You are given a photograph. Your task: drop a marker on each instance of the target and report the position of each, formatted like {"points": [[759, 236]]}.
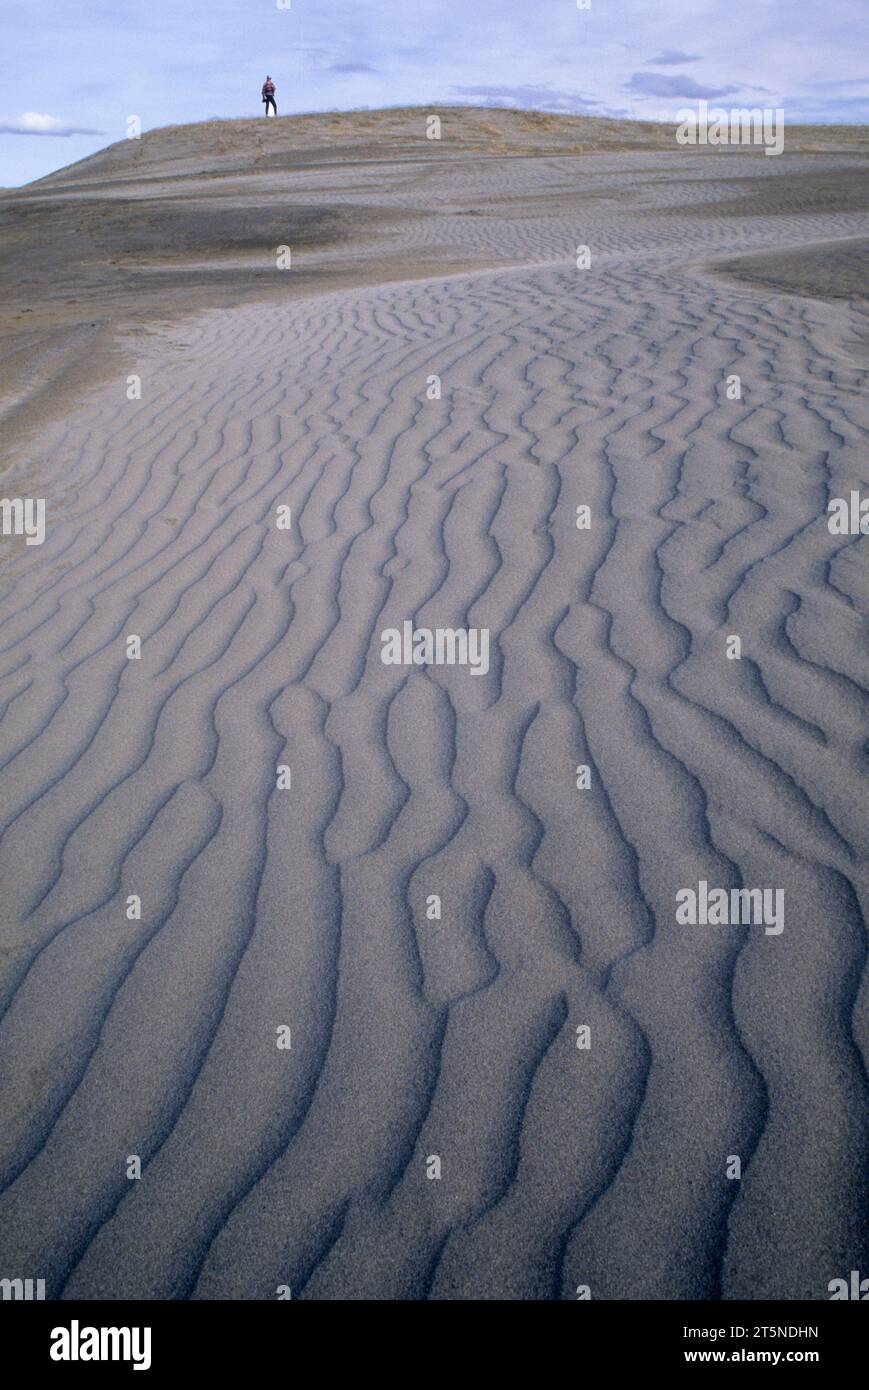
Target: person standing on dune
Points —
{"points": [[269, 96]]}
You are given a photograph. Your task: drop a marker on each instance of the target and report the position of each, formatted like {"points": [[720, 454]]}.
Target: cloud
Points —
{"points": [[35, 123], [662, 84], [539, 97], [330, 60], [840, 82], [826, 111], [320, 59], [671, 58]]}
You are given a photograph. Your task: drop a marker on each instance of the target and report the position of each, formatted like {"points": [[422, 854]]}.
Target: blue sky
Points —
{"points": [[72, 71]]}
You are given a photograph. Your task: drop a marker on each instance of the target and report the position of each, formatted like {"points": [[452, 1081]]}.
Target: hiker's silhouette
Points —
{"points": [[269, 96]]}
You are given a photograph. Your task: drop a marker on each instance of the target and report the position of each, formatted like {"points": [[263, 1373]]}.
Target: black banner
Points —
{"points": [[163, 1339]]}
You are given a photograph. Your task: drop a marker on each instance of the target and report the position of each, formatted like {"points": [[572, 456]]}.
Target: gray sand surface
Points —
{"points": [[417, 1036]]}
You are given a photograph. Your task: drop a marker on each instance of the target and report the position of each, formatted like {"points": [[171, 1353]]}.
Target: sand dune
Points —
{"points": [[415, 1037]]}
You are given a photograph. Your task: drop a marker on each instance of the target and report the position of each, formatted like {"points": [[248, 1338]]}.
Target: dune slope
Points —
{"points": [[416, 1033]]}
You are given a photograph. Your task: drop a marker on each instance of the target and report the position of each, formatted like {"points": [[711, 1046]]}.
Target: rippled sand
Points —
{"points": [[413, 1036]]}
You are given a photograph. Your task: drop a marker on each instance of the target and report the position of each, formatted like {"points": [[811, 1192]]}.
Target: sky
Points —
{"points": [[73, 71]]}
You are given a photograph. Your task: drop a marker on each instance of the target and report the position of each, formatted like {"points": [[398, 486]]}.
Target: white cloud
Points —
{"points": [[671, 58], [35, 123], [661, 84], [531, 97]]}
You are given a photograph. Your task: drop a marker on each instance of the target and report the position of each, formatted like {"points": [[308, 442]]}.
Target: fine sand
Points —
{"points": [[414, 1036]]}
